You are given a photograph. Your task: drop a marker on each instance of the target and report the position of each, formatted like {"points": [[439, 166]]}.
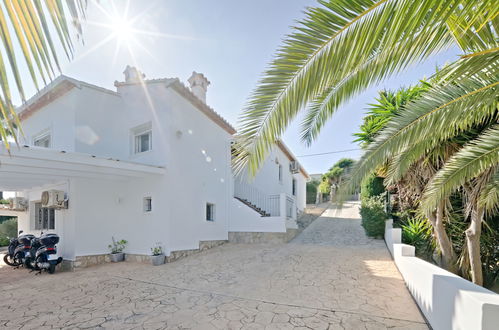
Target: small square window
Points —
{"points": [[44, 217], [42, 141], [142, 138], [147, 204], [210, 212]]}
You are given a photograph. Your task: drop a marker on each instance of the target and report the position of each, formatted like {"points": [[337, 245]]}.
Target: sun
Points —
{"points": [[122, 29]]}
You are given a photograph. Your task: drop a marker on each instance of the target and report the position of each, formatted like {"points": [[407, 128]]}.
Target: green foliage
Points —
{"points": [[157, 250], [388, 104], [311, 189], [344, 163], [372, 186], [8, 229], [373, 215], [418, 232], [325, 187], [117, 246], [4, 201]]}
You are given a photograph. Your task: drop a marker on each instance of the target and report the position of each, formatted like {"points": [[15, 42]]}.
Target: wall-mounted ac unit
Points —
{"points": [[294, 167], [53, 199], [18, 204]]}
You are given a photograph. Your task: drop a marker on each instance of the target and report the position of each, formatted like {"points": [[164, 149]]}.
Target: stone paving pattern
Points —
{"points": [[331, 276]]}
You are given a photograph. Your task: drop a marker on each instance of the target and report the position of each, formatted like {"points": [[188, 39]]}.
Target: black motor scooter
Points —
{"points": [[44, 253], [8, 258], [22, 254]]}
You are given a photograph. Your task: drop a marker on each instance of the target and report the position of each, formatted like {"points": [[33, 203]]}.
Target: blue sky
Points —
{"points": [[231, 42]]}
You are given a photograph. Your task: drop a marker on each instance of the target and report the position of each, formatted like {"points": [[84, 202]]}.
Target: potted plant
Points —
{"points": [[117, 250], [158, 257]]}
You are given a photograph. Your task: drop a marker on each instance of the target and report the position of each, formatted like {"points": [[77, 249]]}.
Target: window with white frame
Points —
{"points": [[293, 188], [147, 204], [142, 138], [280, 173], [42, 140], [210, 212], [44, 217]]}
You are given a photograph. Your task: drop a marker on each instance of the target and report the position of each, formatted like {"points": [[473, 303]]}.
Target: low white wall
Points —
{"points": [[447, 300], [244, 219]]}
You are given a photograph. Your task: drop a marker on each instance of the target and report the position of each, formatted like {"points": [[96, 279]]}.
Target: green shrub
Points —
{"points": [[312, 187], [373, 215], [8, 228], [4, 241], [372, 186], [417, 232]]}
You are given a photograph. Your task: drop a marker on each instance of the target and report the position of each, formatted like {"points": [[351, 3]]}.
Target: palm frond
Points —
{"points": [[489, 197], [333, 43], [25, 26], [447, 109], [472, 160]]}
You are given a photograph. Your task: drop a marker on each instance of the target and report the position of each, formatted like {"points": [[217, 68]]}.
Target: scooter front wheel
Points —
{"points": [[10, 260]]}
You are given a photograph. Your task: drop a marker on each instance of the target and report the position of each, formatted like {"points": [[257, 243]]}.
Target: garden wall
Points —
{"points": [[446, 300]]}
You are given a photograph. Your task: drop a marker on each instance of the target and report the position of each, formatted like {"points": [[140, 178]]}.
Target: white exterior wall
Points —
{"points": [[194, 150], [245, 219], [64, 220], [58, 119], [301, 191]]}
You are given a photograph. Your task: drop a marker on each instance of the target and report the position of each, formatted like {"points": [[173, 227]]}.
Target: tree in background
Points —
{"points": [[338, 173], [8, 229], [32, 24], [413, 169]]}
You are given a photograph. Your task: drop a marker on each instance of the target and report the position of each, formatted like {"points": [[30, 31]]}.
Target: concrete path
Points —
{"points": [[330, 277]]}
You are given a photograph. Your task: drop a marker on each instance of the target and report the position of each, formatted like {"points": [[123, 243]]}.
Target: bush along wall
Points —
{"points": [[373, 215], [372, 186]]}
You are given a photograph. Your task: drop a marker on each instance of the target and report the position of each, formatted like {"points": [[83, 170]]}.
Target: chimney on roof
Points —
{"points": [[133, 75], [199, 85]]}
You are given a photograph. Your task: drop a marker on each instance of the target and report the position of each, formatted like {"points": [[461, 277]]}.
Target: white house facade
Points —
{"points": [[149, 163]]}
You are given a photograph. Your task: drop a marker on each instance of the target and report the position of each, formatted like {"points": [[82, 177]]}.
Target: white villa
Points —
{"points": [[149, 162]]}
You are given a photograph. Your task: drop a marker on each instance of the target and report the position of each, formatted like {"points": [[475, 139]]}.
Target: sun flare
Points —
{"points": [[122, 29]]}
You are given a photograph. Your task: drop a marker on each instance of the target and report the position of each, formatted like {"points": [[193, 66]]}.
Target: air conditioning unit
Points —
{"points": [[294, 167], [18, 204], [53, 199]]}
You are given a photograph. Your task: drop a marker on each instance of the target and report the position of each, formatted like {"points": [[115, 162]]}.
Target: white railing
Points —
{"points": [[251, 194]]}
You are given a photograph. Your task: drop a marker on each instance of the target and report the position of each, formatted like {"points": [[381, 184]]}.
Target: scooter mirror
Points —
{"points": [[20, 232]]}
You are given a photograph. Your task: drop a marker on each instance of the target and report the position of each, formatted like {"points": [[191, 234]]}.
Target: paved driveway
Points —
{"points": [[330, 276]]}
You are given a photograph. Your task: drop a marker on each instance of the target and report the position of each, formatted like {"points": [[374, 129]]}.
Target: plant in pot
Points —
{"points": [[117, 250], [158, 257]]}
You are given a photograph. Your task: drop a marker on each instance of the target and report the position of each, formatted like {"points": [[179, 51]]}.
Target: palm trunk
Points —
{"points": [[473, 239], [444, 243]]}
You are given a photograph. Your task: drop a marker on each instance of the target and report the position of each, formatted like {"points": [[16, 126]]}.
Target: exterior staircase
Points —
{"points": [[263, 213]]}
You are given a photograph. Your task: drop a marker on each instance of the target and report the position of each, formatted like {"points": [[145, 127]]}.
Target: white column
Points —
{"points": [[282, 205]]}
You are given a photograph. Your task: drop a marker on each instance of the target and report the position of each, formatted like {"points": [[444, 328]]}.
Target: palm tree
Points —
{"points": [[33, 22], [343, 47]]}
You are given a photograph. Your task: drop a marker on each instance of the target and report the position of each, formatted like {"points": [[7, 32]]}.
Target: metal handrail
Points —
{"points": [[266, 203]]}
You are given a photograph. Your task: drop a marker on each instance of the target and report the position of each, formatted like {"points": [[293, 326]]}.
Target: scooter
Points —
{"points": [[9, 257], [43, 253], [22, 254]]}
